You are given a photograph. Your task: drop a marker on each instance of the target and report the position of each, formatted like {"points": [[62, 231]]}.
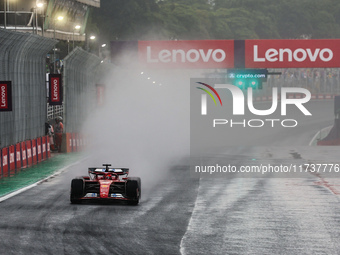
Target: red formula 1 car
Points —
{"points": [[106, 184]]}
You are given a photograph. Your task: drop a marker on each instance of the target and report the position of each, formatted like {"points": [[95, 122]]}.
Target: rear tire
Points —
{"points": [[77, 191], [133, 190]]}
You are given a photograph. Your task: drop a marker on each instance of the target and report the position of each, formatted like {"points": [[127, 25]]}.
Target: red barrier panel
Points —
{"points": [[39, 149], [34, 151], [43, 147], [78, 145], [48, 147], [11, 153], [74, 143], [66, 145], [29, 153], [4, 162], [17, 156], [23, 154]]}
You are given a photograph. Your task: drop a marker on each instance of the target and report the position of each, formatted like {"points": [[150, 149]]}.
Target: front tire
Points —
{"points": [[133, 190], [77, 191]]}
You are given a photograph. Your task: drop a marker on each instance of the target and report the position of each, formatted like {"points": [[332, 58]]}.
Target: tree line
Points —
{"points": [[216, 19]]}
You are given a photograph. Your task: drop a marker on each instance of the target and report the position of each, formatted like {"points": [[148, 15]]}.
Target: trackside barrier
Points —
{"points": [[39, 156], [328, 143], [77, 138], [48, 147], [29, 153], [4, 162], [81, 141], [74, 142], [11, 154], [23, 154], [43, 148], [18, 157], [34, 151], [66, 145]]}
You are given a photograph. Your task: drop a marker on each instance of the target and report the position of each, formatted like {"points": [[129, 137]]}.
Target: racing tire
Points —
{"points": [[133, 190], [77, 191]]}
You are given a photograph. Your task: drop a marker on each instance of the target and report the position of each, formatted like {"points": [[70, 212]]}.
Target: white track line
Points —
{"points": [[316, 135], [14, 193]]}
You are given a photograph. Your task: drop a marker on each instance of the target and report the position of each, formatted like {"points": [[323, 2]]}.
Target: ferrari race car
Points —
{"points": [[106, 184]]}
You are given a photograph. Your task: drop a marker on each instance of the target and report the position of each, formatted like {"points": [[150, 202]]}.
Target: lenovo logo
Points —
{"points": [[55, 89], [3, 94], [55, 86], [192, 55], [298, 55], [187, 54], [292, 53]]}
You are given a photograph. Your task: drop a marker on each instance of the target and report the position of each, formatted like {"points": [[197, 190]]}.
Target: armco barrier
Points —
{"points": [[39, 149], [18, 158], [11, 155], [4, 156], [29, 153], [23, 154], [34, 151]]}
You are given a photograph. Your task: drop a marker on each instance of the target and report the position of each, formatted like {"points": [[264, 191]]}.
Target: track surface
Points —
{"points": [[182, 215]]}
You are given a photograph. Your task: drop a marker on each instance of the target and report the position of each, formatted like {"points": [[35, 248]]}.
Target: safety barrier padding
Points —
{"points": [[39, 156], [34, 151], [23, 154], [18, 158], [29, 153], [11, 156], [4, 157]]}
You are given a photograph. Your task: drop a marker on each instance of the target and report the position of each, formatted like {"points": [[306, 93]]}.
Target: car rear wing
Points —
{"points": [[99, 170]]}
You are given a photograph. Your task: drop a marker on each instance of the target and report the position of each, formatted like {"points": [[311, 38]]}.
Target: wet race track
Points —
{"points": [[184, 215]]}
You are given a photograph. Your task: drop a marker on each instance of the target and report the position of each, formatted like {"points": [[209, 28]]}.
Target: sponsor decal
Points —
{"points": [[187, 54], [4, 160], [292, 53], [5, 96], [55, 89]]}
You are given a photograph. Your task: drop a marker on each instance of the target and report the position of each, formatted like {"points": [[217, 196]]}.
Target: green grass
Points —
{"points": [[30, 175]]}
